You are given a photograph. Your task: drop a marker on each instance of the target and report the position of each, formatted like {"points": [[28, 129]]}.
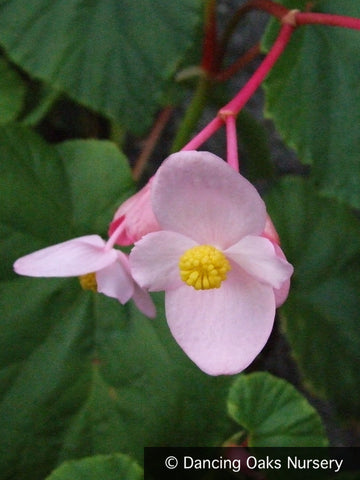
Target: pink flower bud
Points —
{"points": [[135, 216]]}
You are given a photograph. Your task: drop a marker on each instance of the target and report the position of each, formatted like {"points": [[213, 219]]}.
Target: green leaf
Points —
{"points": [[53, 194], [321, 316], [313, 96], [80, 374], [253, 135], [12, 92], [274, 413], [39, 101], [99, 178], [30, 174], [104, 467], [115, 57]]}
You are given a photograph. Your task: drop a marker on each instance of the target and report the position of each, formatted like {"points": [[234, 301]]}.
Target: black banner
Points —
{"points": [[229, 463]]}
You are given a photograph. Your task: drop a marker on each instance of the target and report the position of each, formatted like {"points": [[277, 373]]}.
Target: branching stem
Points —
{"points": [[151, 141], [237, 103], [306, 18]]}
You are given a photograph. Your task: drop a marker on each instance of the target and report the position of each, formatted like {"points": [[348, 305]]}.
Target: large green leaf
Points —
{"points": [[252, 134], [92, 161], [104, 467], [47, 199], [114, 56], [321, 316], [274, 413], [81, 374], [12, 92], [313, 95]]}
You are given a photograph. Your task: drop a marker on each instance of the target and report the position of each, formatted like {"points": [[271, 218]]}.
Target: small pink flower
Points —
{"points": [[85, 255], [135, 216], [219, 273]]}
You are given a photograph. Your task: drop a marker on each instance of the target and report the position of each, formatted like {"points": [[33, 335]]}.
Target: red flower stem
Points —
{"points": [[278, 11], [306, 18], [205, 134], [151, 141], [275, 9], [113, 237], [231, 142], [240, 63], [210, 37], [237, 103]]}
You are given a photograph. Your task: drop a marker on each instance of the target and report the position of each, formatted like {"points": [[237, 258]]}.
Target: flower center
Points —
{"points": [[88, 282], [203, 267]]}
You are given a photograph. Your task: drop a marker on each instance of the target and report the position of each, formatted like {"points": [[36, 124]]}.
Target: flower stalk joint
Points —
{"points": [[290, 18]]}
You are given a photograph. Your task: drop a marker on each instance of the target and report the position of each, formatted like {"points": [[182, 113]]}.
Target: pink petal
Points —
{"points": [[136, 218], [143, 301], [222, 330], [124, 236], [154, 260], [270, 231], [115, 281], [199, 195], [78, 256], [257, 256], [281, 293]]}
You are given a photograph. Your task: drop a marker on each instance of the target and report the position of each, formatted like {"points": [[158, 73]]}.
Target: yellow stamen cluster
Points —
{"points": [[203, 267], [88, 282]]}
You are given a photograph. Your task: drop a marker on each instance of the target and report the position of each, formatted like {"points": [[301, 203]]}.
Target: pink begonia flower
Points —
{"points": [[218, 272], [84, 256], [135, 216]]}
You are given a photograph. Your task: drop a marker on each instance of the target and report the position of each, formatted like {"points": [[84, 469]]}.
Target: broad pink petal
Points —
{"points": [[143, 301], [115, 281], [257, 256], [222, 330], [78, 256], [136, 217], [154, 260], [199, 195]]}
